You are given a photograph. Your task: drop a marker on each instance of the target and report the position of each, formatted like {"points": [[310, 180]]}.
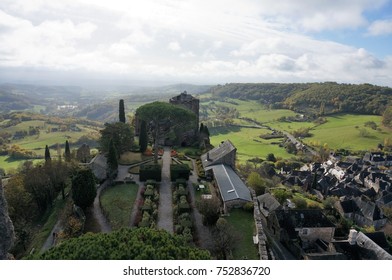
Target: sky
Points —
{"points": [[197, 41]]}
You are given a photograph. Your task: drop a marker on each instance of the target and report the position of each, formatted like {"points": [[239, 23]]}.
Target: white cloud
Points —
{"points": [[247, 40], [174, 46], [380, 27]]}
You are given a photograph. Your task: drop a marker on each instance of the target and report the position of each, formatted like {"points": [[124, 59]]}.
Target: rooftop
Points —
{"points": [[230, 184]]}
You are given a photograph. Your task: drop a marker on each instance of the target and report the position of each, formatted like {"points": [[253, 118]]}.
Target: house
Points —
{"points": [[225, 153], [99, 167], [362, 211], [234, 193], [360, 246], [308, 234], [219, 163], [385, 200], [307, 225], [267, 203]]}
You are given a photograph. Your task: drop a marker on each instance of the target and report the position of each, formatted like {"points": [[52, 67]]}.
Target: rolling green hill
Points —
{"points": [[314, 98]]}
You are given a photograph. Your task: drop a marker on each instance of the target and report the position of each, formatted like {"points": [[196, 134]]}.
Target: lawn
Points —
{"points": [[248, 142], [244, 224], [344, 132], [132, 158], [117, 204], [11, 165]]}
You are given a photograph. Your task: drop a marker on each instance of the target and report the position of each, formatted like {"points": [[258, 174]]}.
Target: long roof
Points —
{"points": [[230, 184]]}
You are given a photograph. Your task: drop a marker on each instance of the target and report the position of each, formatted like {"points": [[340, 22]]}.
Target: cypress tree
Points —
{"points": [[83, 188], [201, 130], [47, 154], [121, 111], [112, 157], [143, 138], [67, 152]]}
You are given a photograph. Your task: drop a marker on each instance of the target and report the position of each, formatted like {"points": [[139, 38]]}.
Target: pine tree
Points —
{"points": [[67, 152], [201, 130], [121, 111], [143, 137], [112, 158], [47, 154]]}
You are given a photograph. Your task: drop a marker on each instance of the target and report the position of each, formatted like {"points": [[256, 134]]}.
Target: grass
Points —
{"points": [[131, 158], [343, 132], [11, 165], [117, 203], [244, 224], [248, 143]]}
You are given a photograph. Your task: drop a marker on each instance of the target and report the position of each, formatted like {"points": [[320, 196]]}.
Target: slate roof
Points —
{"points": [[268, 203], [217, 153], [310, 218], [230, 184], [368, 209]]}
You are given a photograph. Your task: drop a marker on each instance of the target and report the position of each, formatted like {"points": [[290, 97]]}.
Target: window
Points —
{"points": [[305, 231]]}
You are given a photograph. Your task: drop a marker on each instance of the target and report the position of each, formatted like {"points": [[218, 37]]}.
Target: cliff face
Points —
{"points": [[6, 227]]}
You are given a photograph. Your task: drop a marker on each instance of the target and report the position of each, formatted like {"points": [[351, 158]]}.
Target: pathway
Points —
{"points": [[165, 213], [97, 211], [204, 234]]}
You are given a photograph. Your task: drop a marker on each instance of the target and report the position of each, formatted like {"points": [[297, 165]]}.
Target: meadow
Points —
{"points": [[341, 131], [349, 132], [248, 143]]}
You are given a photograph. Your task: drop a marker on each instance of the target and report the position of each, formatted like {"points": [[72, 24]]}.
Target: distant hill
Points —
{"points": [[324, 98]]}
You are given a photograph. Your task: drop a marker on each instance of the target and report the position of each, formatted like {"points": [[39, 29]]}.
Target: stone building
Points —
{"points": [[189, 102]]}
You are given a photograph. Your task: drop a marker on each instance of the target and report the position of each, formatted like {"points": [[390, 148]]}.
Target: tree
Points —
{"points": [[67, 152], [121, 111], [83, 188], [209, 208], [120, 133], [47, 154], [271, 157], [112, 158], [225, 238], [256, 182], [126, 244], [37, 183], [387, 117], [164, 118], [143, 136]]}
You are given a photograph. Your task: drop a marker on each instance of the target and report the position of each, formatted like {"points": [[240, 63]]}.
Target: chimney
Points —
{"points": [[208, 156]]}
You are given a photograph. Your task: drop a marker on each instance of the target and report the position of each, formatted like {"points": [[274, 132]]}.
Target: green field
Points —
{"points": [[344, 131], [117, 203], [11, 165], [248, 143]]}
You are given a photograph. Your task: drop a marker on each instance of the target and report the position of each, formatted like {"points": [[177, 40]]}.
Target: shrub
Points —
{"points": [[150, 172], [179, 171]]}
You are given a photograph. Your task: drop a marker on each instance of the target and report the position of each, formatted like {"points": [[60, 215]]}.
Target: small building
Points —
{"points": [[234, 193], [267, 203], [99, 167], [225, 153]]}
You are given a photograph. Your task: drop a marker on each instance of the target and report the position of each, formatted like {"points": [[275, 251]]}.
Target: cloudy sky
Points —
{"points": [[197, 41]]}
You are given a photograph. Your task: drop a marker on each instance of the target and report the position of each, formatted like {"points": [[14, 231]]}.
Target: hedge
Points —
{"points": [[150, 172], [179, 171]]}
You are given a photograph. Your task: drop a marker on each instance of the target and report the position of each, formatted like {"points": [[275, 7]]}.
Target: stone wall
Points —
{"points": [[261, 237]]}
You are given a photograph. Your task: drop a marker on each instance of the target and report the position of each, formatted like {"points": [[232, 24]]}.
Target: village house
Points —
{"points": [[308, 234], [219, 163]]}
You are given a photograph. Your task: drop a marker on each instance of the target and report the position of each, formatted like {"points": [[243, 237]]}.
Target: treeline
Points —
{"points": [[315, 98]]}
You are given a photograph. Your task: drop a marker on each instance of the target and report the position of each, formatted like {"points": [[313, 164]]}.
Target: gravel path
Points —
{"points": [[204, 234], [165, 214]]}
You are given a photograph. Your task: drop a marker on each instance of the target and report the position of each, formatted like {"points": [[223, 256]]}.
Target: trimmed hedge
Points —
{"points": [[150, 172], [179, 171]]}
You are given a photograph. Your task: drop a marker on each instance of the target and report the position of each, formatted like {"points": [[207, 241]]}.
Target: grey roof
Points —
{"points": [[268, 203], [230, 184], [217, 153]]}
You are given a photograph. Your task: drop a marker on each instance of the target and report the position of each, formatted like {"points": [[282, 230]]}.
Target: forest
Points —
{"points": [[313, 98]]}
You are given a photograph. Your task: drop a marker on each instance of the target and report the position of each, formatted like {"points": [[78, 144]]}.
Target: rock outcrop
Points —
{"points": [[6, 227]]}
